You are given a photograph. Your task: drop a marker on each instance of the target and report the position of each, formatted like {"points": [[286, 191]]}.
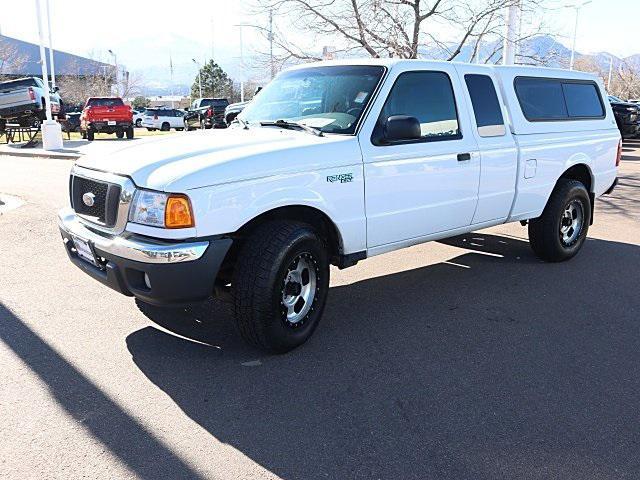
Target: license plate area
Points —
{"points": [[111, 122], [84, 251]]}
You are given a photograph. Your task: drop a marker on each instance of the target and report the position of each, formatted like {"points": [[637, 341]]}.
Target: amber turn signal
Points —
{"points": [[178, 212]]}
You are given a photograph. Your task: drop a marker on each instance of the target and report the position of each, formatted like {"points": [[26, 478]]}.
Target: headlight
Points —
{"points": [[164, 210]]}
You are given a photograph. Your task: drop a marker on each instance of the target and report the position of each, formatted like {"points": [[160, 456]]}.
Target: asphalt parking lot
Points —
{"points": [[462, 359]]}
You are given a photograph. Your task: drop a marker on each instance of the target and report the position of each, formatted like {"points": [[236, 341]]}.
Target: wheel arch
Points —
{"points": [[312, 216], [582, 173]]}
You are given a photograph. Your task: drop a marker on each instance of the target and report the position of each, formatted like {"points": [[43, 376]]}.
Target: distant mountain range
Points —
{"points": [[158, 79]]}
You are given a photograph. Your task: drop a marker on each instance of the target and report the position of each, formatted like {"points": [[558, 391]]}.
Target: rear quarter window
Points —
{"points": [[554, 99]]}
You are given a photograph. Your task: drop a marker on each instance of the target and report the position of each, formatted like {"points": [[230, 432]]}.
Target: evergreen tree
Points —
{"points": [[215, 82]]}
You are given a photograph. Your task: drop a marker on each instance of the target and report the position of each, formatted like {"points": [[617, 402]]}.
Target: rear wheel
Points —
{"points": [[119, 133], [129, 133], [165, 127], [90, 135], [280, 286], [559, 233], [151, 129], [139, 122]]}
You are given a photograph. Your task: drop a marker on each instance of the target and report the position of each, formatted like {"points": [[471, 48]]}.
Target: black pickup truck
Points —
{"points": [[627, 116], [206, 113]]}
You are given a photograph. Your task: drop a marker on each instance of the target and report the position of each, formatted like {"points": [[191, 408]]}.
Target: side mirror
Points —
{"points": [[402, 127]]}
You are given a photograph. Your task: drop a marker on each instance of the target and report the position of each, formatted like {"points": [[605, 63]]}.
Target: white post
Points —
{"points": [[242, 67], [51, 130], [199, 75], [509, 48], [51, 64], [273, 71], [573, 44], [575, 32], [610, 73]]}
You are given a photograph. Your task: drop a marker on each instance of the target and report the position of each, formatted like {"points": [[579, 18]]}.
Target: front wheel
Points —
{"points": [[559, 233], [280, 286]]}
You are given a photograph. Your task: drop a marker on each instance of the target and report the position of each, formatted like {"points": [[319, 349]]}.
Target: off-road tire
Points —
{"points": [[258, 285], [545, 235]]}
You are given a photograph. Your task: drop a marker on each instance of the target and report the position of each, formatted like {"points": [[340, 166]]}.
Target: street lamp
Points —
{"points": [[577, 7], [241, 62], [51, 130], [115, 61], [199, 75]]}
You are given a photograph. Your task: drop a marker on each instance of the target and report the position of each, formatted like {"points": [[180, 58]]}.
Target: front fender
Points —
{"points": [[226, 208]]}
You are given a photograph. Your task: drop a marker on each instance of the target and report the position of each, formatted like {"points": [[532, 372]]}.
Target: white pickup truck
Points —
{"points": [[23, 101], [335, 162]]}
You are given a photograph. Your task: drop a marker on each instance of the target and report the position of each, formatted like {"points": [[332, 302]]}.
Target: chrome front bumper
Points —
{"points": [[131, 247]]}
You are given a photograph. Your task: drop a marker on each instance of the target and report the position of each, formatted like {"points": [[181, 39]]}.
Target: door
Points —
{"points": [[420, 187], [499, 154]]}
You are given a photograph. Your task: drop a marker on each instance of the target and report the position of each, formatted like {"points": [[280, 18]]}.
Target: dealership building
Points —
{"points": [[22, 59]]}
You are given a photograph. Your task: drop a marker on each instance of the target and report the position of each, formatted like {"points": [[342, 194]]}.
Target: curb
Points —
{"points": [[53, 155]]}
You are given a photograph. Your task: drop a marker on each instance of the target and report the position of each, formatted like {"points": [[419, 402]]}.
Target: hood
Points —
{"points": [[182, 162]]}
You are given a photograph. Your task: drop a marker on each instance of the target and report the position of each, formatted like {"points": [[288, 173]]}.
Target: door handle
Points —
{"points": [[463, 157]]}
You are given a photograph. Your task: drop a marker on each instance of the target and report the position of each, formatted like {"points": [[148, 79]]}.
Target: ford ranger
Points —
{"points": [[106, 115], [335, 162]]}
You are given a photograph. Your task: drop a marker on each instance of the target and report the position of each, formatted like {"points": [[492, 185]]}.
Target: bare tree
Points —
{"points": [[10, 59], [401, 28]]}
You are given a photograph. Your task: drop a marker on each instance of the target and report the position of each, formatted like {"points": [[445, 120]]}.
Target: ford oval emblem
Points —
{"points": [[89, 199]]}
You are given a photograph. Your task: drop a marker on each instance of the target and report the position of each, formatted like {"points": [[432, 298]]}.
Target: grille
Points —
{"points": [[105, 206]]}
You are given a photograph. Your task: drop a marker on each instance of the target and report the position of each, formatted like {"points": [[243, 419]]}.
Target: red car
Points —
{"points": [[106, 115]]}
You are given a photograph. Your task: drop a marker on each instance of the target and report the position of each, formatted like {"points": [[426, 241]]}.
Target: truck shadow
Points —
{"points": [[492, 364]]}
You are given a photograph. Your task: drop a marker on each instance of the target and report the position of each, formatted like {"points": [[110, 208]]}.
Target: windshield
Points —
{"points": [[330, 99], [214, 102], [104, 102], [615, 99]]}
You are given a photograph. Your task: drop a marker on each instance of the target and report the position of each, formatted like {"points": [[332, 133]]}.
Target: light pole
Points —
{"points": [[577, 7], [199, 75], [511, 24], [241, 63], [51, 130], [115, 61], [610, 73], [51, 65]]}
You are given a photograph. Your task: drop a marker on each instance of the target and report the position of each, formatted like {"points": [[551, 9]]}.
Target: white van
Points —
{"points": [[335, 162]]}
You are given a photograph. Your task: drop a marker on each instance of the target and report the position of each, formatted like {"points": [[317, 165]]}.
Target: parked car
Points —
{"points": [[627, 117], [106, 115], [163, 119], [72, 122], [259, 217], [138, 115], [234, 109], [206, 113], [23, 101]]}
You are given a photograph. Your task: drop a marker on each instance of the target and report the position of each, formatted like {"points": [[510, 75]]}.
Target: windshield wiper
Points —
{"points": [[285, 124], [244, 123]]}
